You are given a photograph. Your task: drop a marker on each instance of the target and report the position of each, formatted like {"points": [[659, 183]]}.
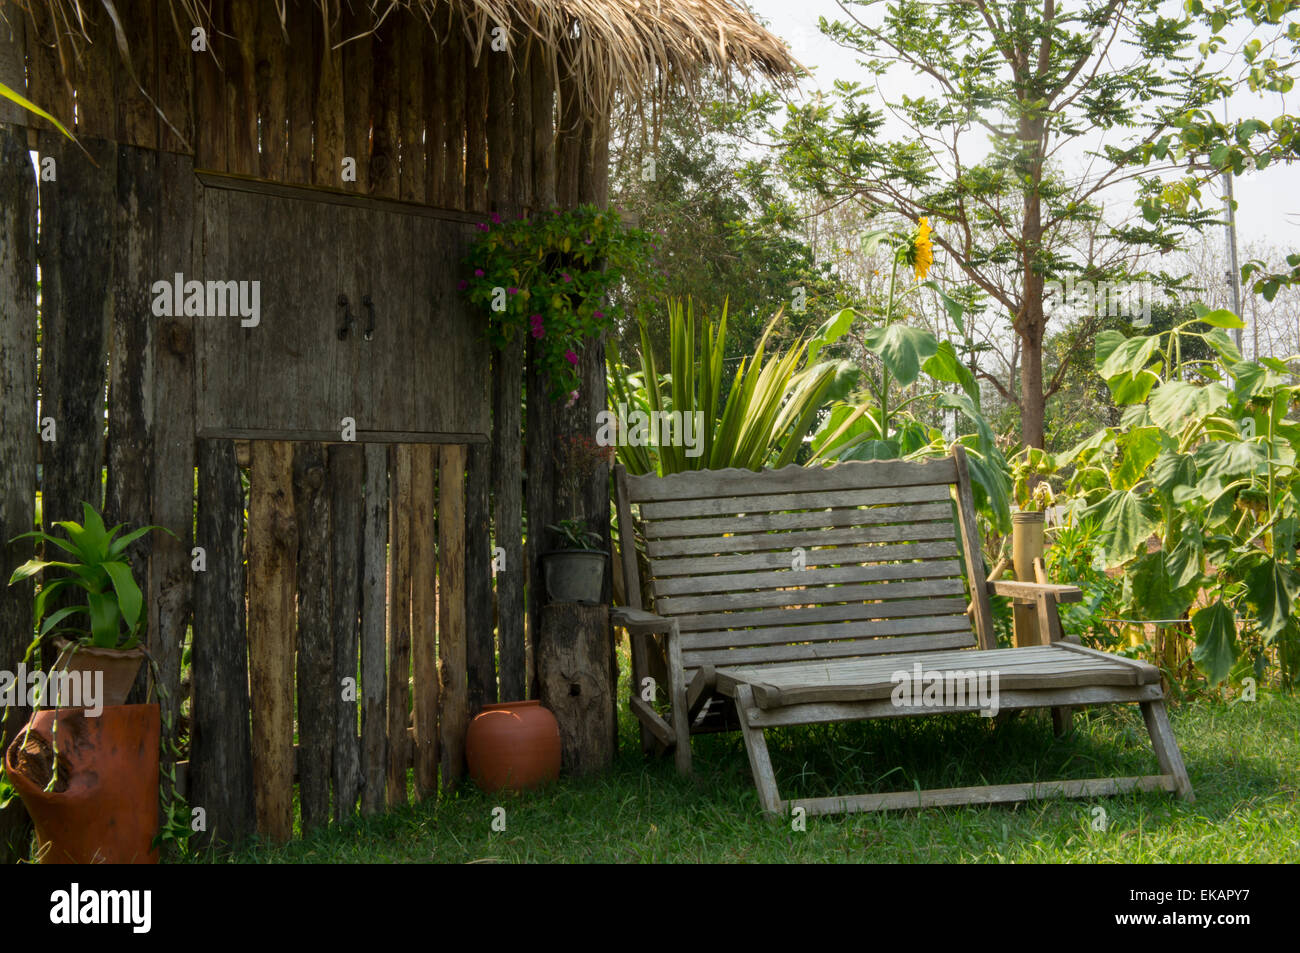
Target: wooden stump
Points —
{"points": [[574, 669]]}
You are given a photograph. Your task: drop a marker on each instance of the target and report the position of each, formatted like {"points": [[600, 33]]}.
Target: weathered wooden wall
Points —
{"points": [[349, 647]]}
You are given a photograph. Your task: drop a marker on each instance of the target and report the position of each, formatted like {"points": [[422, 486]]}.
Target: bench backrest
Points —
{"points": [[862, 558]]}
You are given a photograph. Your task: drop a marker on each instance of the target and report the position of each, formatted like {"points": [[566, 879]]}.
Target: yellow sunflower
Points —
{"points": [[922, 250]]}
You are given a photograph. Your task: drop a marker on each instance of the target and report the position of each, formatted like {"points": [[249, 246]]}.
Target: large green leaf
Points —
{"points": [[1224, 460], [1132, 388], [944, 365], [1117, 355], [1138, 447], [1220, 318], [1126, 520], [1172, 470], [129, 599], [1269, 587], [1216, 640], [1251, 378], [1149, 588], [1174, 401], [903, 349], [835, 327]]}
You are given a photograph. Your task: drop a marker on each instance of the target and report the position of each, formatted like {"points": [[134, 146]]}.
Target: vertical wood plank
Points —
{"points": [[272, 586], [316, 688], [344, 474], [476, 101], [507, 491], [456, 120], [46, 86], [240, 63], [221, 767], [424, 616], [211, 132], [453, 718], [437, 84], [136, 118], [399, 623], [480, 655], [175, 83], [357, 77], [96, 80], [500, 130], [17, 435], [271, 81], [415, 42], [385, 106], [76, 269], [171, 578], [328, 159], [542, 92], [304, 32], [374, 679]]}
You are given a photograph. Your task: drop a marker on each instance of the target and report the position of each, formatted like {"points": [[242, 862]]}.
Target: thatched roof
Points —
{"points": [[621, 46]]}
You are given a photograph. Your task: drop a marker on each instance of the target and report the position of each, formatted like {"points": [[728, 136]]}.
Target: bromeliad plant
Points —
{"points": [[1203, 462], [98, 567], [552, 277]]}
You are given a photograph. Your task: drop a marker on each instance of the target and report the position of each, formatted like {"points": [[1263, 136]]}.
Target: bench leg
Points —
{"points": [[756, 747], [1166, 747], [680, 716]]}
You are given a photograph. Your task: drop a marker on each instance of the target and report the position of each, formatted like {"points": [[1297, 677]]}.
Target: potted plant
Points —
{"points": [[575, 572], [112, 610]]}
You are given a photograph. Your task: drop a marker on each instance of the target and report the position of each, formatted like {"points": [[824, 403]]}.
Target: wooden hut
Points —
{"points": [[247, 304]]}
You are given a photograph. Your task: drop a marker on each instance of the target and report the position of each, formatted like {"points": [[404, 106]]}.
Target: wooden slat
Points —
{"points": [[345, 476], [455, 54], [719, 621], [374, 678], [825, 650], [328, 137], [808, 673], [773, 523], [541, 62], [994, 794], [171, 578], [781, 559], [399, 621], [721, 602], [480, 643], [1149, 674], [317, 694], [652, 720], [221, 767], [77, 221], [854, 475], [973, 552], [763, 542], [866, 629], [454, 714], [128, 484], [137, 121], [305, 31], [46, 86], [385, 110], [476, 99], [819, 713], [211, 135], [272, 585], [239, 61], [272, 84], [810, 582], [507, 488], [17, 434], [357, 77], [424, 617], [175, 81], [95, 78], [892, 504], [412, 40]]}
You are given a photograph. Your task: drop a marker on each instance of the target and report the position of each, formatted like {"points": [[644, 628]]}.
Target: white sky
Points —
{"points": [[1268, 201]]}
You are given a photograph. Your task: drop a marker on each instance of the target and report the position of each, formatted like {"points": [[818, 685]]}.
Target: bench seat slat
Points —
{"points": [[767, 541], [722, 601], [743, 525], [881, 499], [811, 581], [827, 650], [897, 609], [865, 629], [781, 558], [852, 475]]}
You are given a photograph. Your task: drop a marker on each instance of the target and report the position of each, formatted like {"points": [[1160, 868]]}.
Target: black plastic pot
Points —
{"points": [[574, 575]]}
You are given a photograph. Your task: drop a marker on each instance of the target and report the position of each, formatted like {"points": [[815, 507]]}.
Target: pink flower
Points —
{"points": [[536, 322], [484, 227], [512, 291], [496, 219], [599, 315], [573, 399], [462, 284], [571, 357], [565, 276], [478, 272]]}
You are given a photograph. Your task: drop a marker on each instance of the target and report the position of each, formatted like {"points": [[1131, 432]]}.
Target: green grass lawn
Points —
{"points": [[1244, 762]]}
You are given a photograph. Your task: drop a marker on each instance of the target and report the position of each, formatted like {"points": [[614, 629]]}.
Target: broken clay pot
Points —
{"points": [[103, 805]]}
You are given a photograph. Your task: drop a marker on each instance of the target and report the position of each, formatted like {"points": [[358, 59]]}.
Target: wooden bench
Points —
{"points": [[806, 596]]}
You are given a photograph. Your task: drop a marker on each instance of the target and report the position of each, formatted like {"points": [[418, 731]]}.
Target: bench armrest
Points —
{"points": [[640, 622], [1028, 592]]}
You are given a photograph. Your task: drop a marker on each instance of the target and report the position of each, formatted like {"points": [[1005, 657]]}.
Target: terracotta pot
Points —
{"points": [[514, 745], [104, 807], [120, 667]]}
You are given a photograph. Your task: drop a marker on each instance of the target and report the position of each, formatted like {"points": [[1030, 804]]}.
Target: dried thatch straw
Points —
{"points": [[610, 47]]}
